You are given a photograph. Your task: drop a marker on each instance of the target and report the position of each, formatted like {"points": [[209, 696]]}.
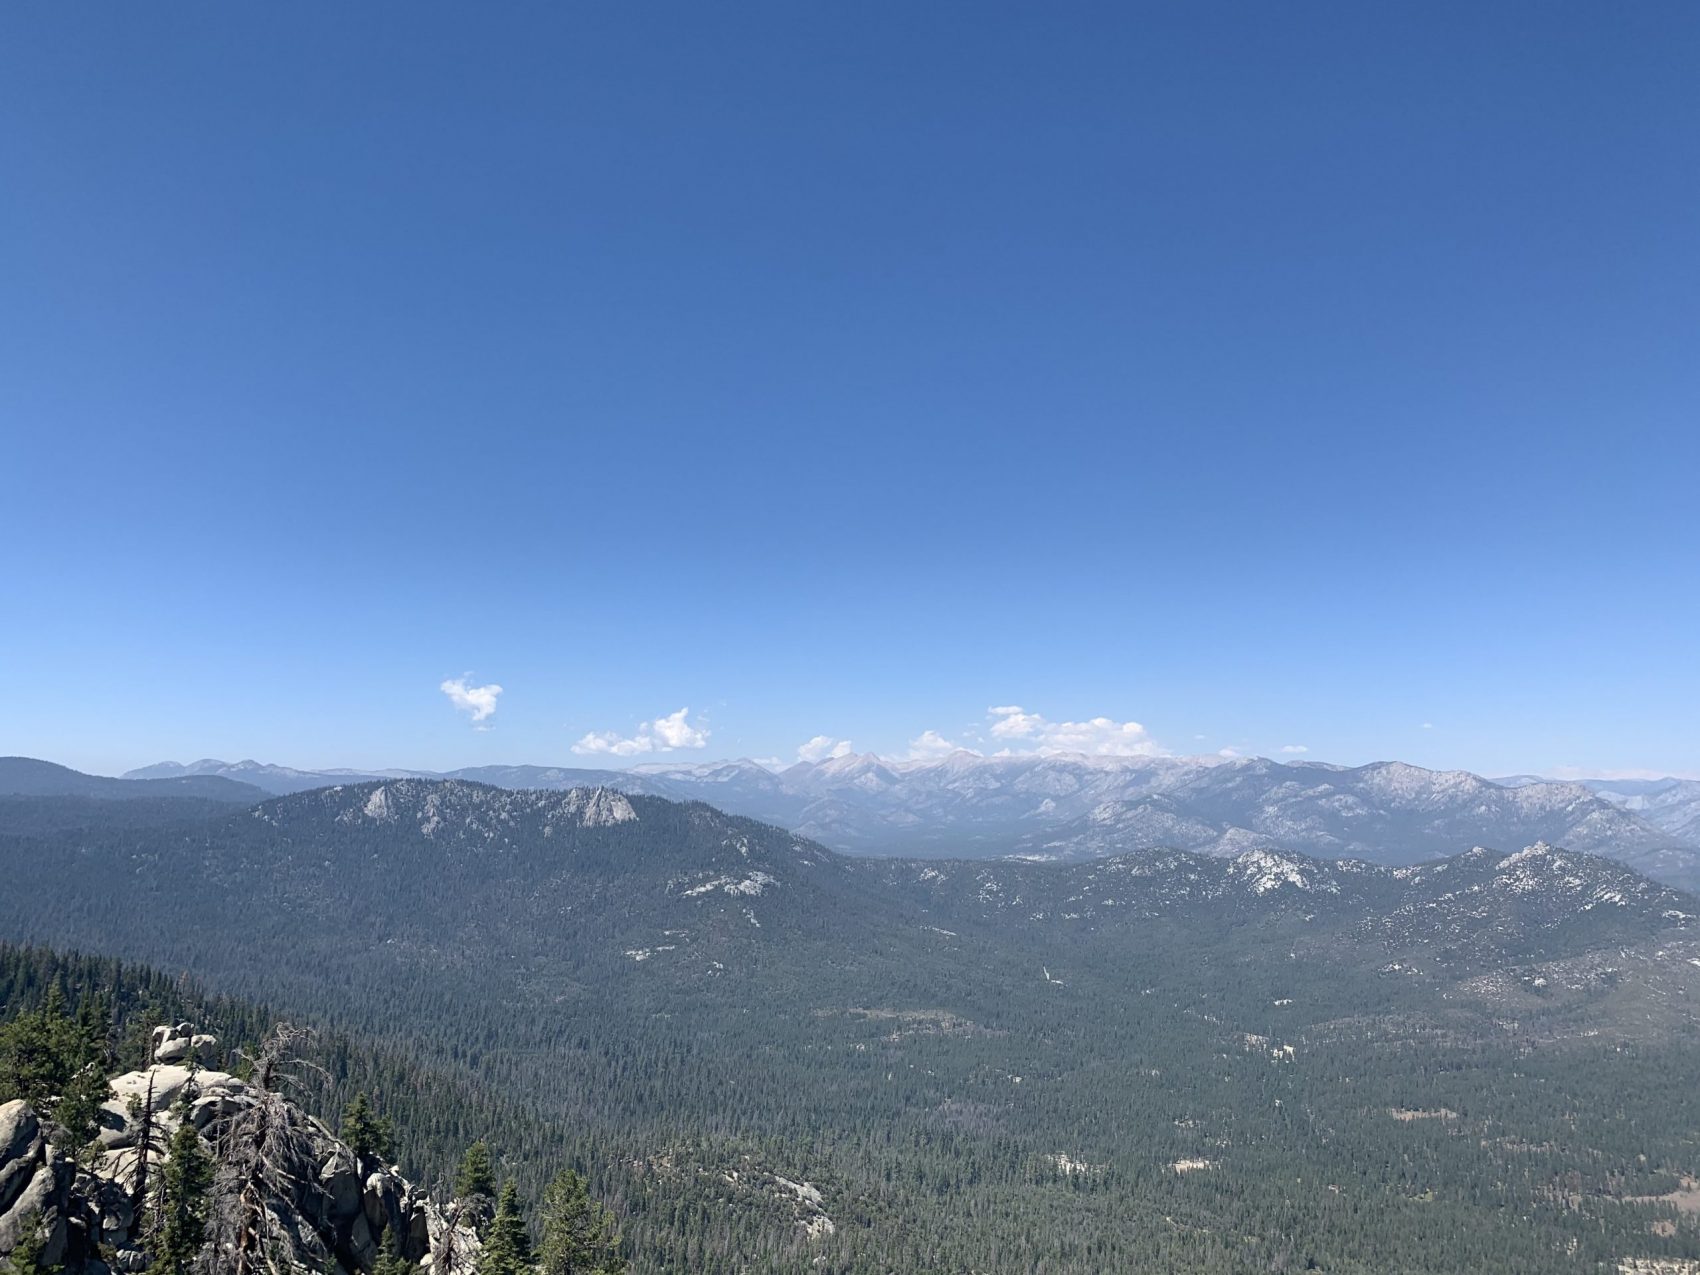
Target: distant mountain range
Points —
{"points": [[1671, 805], [1072, 808]]}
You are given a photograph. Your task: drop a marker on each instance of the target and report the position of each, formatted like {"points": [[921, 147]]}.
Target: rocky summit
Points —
{"points": [[325, 1207]]}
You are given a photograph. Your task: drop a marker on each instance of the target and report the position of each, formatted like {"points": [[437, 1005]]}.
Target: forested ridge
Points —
{"points": [[766, 1057]]}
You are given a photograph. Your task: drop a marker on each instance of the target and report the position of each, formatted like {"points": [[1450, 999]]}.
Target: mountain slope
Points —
{"points": [[1669, 804], [280, 781], [28, 777], [1386, 812]]}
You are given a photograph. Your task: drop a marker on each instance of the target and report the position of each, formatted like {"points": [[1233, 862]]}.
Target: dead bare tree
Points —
{"points": [[450, 1251], [264, 1154], [148, 1143]]}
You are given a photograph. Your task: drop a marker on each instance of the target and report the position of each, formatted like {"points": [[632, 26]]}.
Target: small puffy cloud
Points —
{"points": [[662, 735], [929, 744], [675, 732], [1428, 725], [1097, 736], [823, 747], [1228, 752], [614, 744], [477, 702], [1294, 748], [1011, 721]]}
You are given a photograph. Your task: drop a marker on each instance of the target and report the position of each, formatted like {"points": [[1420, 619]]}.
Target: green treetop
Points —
{"points": [[475, 1177], [579, 1236], [184, 1182], [366, 1133], [507, 1245]]}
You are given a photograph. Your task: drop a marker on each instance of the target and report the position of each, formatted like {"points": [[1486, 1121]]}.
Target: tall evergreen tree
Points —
{"points": [[392, 1261], [56, 1062], [475, 1177], [184, 1182], [366, 1133], [579, 1235], [507, 1245]]}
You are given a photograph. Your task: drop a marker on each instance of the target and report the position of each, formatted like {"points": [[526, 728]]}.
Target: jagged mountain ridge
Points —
{"points": [[1669, 804], [1386, 812], [589, 882], [1531, 902], [1072, 807]]}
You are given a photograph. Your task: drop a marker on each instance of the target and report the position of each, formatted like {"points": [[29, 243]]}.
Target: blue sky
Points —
{"points": [[1267, 375]]}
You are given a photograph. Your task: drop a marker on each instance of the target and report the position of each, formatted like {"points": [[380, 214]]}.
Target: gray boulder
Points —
{"points": [[362, 1246], [34, 1182], [341, 1185], [20, 1150], [182, 1044], [40, 1191], [19, 1129], [381, 1201]]}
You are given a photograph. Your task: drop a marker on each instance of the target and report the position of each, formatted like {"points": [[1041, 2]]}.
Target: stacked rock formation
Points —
{"points": [[340, 1211]]}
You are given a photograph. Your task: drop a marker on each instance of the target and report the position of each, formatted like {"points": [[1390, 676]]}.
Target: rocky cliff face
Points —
{"points": [[329, 1209], [34, 1180]]}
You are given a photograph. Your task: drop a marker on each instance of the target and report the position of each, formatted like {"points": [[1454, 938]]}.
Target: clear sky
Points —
{"points": [[1316, 375]]}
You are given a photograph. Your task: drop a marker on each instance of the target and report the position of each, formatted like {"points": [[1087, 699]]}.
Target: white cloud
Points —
{"points": [[1428, 725], [1294, 748], [1011, 721], [662, 735], [675, 732], [1097, 736], [929, 744], [478, 702], [822, 747], [616, 745], [1227, 752]]}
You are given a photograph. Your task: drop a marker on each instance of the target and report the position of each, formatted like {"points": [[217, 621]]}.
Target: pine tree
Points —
{"points": [[366, 1133], [184, 1182], [391, 1261], [579, 1235], [475, 1177], [26, 1254], [57, 1063], [507, 1245]]}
